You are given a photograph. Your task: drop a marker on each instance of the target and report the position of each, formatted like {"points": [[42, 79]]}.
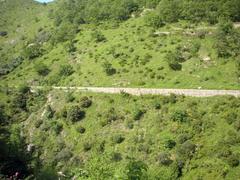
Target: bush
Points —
{"points": [[187, 149], [136, 170], [138, 114], [230, 116], [70, 47], [33, 50], [165, 159], [3, 116], [70, 97], [87, 146], [108, 69], [24, 89], [227, 43], [64, 155], [116, 157], [75, 113], [182, 138], [180, 116], [64, 32], [85, 102], [174, 59], [38, 123], [49, 112], [81, 129], [57, 127], [97, 36], [66, 70], [3, 33], [157, 105], [41, 69], [117, 139], [233, 160], [154, 20], [175, 66], [170, 144], [237, 125]]}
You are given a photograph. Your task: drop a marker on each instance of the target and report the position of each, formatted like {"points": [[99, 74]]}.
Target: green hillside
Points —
{"points": [[180, 44]]}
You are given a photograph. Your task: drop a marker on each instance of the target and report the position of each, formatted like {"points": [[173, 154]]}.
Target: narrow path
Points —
{"points": [[146, 91]]}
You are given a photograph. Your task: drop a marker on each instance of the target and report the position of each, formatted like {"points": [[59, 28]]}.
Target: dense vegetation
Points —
{"points": [[101, 136], [132, 43]]}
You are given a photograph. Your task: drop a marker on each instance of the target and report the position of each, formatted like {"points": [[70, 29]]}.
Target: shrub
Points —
{"points": [[70, 97], [108, 69], [3, 33], [63, 155], [38, 123], [237, 125], [170, 144], [97, 36], [138, 114], [227, 43], [165, 159], [66, 70], [85, 102], [20, 101], [70, 47], [64, 32], [81, 129], [182, 138], [187, 149], [233, 160], [87, 146], [116, 156], [57, 127], [230, 116], [117, 139], [23, 89], [49, 112], [136, 170], [154, 20], [157, 105], [41, 69], [33, 50], [180, 116], [75, 113]]}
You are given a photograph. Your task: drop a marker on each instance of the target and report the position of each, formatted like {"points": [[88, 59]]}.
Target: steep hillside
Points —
{"points": [[49, 133], [21, 21]]}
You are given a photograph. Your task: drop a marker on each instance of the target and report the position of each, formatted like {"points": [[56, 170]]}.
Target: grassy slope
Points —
{"points": [[22, 20], [145, 141], [88, 59]]}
